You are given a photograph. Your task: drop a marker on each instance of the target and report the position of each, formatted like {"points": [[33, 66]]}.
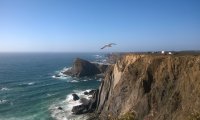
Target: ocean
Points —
{"points": [[30, 90]]}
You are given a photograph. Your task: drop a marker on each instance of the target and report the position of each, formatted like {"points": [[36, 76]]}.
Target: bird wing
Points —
{"points": [[108, 45], [113, 44], [104, 47]]}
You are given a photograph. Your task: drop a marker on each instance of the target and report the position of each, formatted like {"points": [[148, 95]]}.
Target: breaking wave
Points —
{"points": [[4, 89], [61, 110]]}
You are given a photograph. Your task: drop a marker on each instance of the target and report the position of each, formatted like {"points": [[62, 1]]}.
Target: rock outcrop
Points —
{"points": [[82, 68], [88, 105], [75, 97], [151, 87]]}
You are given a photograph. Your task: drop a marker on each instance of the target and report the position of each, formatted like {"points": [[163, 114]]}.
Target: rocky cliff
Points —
{"points": [[82, 68], [151, 87]]}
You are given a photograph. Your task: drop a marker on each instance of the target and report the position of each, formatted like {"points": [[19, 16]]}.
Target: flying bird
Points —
{"points": [[108, 45]]}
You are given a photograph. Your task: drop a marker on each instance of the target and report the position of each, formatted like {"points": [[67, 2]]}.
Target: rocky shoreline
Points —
{"points": [[146, 87], [83, 68], [88, 105]]}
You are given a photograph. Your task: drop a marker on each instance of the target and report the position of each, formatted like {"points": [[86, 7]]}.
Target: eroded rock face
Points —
{"points": [[88, 105], [83, 68], [75, 97], [80, 109], [91, 92], [153, 87]]}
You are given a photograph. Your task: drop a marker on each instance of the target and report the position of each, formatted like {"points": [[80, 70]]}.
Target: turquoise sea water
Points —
{"points": [[29, 90]]}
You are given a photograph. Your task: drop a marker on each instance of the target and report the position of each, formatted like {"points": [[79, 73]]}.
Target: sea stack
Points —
{"points": [[82, 68]]}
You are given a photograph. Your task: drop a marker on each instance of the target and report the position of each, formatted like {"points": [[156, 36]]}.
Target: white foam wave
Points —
{"points": [[60, 74], [49, 95], [100, 59], [29, 117], [62, 110], [74, 81], [98, 56], [53, 76], [64, 113], [27, 83], [62, 77], [100, 79], [66, 78], [5, 89], [31, 83], [3, 101], [81, 94], [65, 69]]}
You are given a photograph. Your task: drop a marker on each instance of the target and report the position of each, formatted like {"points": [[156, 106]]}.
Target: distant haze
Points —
{"points": [[86, 25]]}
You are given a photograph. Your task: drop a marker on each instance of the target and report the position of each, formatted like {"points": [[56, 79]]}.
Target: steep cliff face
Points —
{"points": [[151, 87]]}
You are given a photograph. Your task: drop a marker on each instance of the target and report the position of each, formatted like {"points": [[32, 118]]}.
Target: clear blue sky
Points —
{"points": [[86, 25]]}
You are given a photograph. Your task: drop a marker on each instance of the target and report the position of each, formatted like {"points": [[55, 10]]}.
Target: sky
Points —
{"points": [[86, 25]]}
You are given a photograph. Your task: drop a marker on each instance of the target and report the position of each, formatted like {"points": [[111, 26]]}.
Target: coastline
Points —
{"points": [[28, 88], [63, 109], [116, 97]]}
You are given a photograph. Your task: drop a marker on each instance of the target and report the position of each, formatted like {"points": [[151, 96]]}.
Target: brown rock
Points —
{"points": [[155, 87], [83, 68]]}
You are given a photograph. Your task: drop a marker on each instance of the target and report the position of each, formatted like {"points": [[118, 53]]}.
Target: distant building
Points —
{"points": [[170, 53], [162, 52]]}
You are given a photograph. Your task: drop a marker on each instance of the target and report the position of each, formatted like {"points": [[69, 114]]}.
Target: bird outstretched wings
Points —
{"points": [[108, 45]]}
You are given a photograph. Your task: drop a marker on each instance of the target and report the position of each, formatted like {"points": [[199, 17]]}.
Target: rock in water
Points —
{"points": [[83, 108], [84, 101], [75, 97], [80, 109], [91, 92], [87, 105], [60, 108], [83, 68], [86, 93]]}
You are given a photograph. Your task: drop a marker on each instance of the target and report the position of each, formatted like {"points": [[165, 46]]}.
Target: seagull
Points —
{"points": [[108, 45]]}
